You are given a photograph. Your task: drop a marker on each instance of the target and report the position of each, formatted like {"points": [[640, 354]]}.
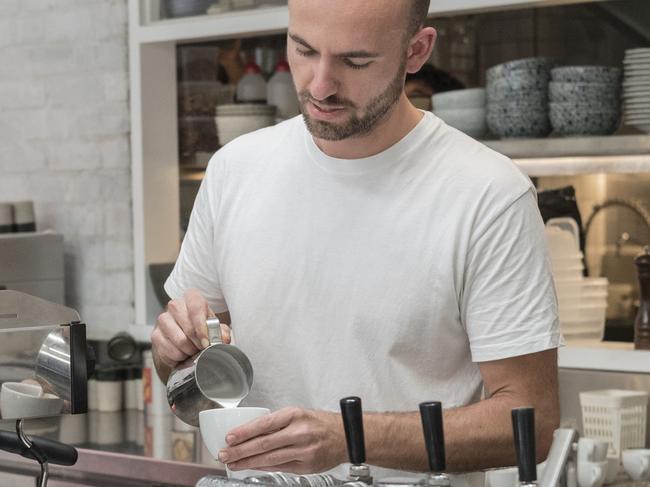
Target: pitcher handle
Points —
{"points": [[214, 331]]}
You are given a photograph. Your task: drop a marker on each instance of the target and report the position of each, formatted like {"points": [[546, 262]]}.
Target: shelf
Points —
{"points": [[579, 155], [262, 21], [604, 356], [273, 20]]}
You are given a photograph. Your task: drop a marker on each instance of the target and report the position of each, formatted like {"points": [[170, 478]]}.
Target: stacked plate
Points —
{"points": [[636, 88], [518, 98], [582, 301], [462, 109], [585, 100], [237, 119]]}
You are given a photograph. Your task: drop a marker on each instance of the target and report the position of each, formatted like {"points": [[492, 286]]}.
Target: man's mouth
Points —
{"points": [[326, 108]]}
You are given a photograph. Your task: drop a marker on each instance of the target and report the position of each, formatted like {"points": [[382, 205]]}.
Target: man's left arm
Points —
{"points": [[477, 436]]}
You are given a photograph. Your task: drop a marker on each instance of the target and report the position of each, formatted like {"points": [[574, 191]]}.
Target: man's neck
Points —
{"points": [[399, 122]]}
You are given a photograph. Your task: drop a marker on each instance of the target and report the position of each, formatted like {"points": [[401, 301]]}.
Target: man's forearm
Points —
{"points": [[477, 436]]}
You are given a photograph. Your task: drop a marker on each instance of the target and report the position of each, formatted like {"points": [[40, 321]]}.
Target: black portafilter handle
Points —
{"points": [[353, 425], [523, 427], [55, 452], [434, 437]]}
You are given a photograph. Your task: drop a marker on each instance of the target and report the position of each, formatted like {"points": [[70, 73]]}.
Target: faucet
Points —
{"points": [[633, 205]]}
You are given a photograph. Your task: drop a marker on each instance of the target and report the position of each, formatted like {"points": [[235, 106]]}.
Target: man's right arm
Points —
{"points": [[181, 331]]}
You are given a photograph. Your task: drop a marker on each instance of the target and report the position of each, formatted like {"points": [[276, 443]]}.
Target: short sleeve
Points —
{"points": [[196, 266], [508, 304]]}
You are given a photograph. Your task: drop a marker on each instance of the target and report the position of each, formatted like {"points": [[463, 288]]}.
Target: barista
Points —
{"points": [[366, 248]]}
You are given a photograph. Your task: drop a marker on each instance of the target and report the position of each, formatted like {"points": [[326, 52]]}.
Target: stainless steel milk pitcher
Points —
{"points": [[219, 376]]}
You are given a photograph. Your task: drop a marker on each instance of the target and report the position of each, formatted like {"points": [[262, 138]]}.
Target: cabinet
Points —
{"points": [[154, 135]]}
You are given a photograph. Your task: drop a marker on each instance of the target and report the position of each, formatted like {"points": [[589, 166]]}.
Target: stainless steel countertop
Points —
{"points": [[127, 446]]}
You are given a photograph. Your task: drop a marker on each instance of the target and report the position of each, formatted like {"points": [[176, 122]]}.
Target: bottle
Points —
{"points": [[281, 92], [252, 86], [642, 321]]}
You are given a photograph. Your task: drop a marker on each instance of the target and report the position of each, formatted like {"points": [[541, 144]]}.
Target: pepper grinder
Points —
{"points": [[523, 427], [642, 321], [353, 425], [434, 440]]}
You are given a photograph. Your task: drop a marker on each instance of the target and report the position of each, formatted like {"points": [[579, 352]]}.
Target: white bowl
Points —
{"points": [[469, 120], [231, 127], [20, 400], [636, 462], [470, 98]]}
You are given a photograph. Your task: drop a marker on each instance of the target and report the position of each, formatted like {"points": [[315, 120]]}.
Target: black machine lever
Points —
{"points": [[523, 427], [55, 452], [353, 425], [434, 437]]}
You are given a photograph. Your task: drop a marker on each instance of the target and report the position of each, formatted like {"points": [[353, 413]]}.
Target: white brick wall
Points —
{"points": [[64, 126]]}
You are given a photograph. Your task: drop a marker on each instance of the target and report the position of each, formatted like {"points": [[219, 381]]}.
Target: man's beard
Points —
{"points": [[375, 111]]}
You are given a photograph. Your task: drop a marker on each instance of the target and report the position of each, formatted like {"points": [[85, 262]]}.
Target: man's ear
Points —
{"points": [[419, 49]]}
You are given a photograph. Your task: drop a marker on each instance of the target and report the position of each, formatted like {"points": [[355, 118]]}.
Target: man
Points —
{"points": [[368, 249]]}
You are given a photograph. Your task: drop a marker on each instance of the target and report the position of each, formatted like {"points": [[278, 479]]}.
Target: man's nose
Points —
{"points": [[324, 83]]}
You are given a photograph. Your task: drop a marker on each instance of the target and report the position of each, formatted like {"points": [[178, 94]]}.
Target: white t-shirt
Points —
{"points": [[387, 277]]}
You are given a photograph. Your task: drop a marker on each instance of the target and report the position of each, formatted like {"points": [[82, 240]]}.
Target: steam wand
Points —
{"points": [[36, 453]]}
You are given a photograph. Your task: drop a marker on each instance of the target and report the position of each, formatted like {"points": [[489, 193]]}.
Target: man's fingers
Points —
{"points": [[257, 446], [167, 352], [198, 312], [261, 426], [225, 333], [178, 309], [170, 330]]}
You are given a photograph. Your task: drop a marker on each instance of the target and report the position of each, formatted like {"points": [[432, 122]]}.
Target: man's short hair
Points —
{"points": [[417, 15]]}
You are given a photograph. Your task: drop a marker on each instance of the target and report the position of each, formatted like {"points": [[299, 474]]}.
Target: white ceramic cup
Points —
{"points": [[216, 423], [636, 462], [21, 400], [591, 474], [590, 450]]}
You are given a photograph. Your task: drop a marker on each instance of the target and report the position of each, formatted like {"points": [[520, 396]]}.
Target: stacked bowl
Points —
{"points": [[585, 100], [462, 109], [636, 88], [517, 93], [582, 301], [234, 120]]}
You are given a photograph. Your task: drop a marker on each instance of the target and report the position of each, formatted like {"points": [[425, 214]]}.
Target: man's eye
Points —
{"points": [[305, 53], [352, 65]]}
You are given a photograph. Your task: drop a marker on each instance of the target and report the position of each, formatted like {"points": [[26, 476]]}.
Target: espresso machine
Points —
{"points": [[44, 367], [431, 413]]}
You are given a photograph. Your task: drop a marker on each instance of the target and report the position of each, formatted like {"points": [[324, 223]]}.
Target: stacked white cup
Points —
{"points": [[582, 301]]}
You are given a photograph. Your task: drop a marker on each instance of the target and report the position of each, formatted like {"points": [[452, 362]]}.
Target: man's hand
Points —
{"points": [[289, 440], [181, 331]]}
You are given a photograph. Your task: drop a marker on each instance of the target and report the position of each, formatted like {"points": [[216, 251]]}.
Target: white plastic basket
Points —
{"points": [[615, 415]]}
